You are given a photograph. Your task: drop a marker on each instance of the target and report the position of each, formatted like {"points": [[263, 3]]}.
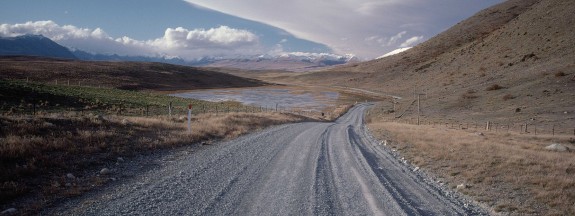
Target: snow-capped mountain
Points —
{"points": [[296, 61], [38, 45]]}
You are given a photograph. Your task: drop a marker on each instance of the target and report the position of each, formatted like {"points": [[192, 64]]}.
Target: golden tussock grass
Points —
{"points": [[509, 172], [37, 152]]}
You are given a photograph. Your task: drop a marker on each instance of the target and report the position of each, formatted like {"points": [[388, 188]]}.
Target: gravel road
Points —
{"points": [[297, 169]]}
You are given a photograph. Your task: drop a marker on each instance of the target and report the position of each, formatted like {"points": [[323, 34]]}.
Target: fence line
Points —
{"points": [[148, 110], [495, 126]]}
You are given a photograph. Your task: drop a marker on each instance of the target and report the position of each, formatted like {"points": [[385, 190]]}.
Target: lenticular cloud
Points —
{"points": [[367, 28], [188, 44]]}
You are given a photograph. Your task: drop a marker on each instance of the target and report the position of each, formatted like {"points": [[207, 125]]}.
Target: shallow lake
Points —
{"points": [[268, 97]]}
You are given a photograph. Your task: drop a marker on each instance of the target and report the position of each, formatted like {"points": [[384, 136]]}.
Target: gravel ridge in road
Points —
{"points": [[296, 169]]}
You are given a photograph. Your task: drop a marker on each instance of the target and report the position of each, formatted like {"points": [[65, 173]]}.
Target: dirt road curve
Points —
{"points": [[297, 169]]}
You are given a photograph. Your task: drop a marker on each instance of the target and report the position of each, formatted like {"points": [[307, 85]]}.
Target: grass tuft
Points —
{"points": [[494, 87]]}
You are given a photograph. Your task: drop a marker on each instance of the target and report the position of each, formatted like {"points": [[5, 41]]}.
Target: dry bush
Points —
{"points": [[494, 87], [470, 94], [508, 97], [509, 172], [560, 74]]}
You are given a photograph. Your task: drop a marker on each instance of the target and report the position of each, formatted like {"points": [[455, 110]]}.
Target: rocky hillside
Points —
{"points": [[512, 62]]}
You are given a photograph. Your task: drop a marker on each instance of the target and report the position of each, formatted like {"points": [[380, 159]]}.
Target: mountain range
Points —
{"points": [[38, 45], [33, 45]]}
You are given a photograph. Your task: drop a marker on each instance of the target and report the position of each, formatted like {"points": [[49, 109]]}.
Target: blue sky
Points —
{"points": [[196, 28]]}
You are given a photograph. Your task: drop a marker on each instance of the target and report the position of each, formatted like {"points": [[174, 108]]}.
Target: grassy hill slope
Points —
{"points": [[122, 75], [518, 55]]}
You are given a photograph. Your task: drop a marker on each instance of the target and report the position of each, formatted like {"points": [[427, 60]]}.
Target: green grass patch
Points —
{"points": [[19, 97]]}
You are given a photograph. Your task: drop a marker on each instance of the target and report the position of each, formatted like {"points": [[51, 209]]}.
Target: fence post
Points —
{"points": [[190, 118], [170, 109], [487, 126], [553, 130]]}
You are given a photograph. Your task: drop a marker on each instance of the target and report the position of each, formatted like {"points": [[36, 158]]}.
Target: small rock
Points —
{"points": [[99, 117], [479, 134], [415, 169], [557, 147], [120, 159], [105, 171], [70, 176], [48, 124], [461, 186], [125, 122], [56, 184], [113, 179], [9, 211]]}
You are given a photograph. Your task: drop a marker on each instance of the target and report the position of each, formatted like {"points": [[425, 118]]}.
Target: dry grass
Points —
{"points": [[509, 172], [36, 153]]}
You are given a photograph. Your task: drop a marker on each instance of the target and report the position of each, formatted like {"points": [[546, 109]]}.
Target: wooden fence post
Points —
{"points": [[170, 109], [190, 118]]}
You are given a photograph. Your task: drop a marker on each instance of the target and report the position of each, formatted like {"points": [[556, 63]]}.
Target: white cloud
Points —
{"points": [[188, 44], [357, 21], [222, 37]]}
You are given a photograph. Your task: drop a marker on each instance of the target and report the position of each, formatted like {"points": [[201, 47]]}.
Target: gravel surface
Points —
{"points": [[297, 169]]}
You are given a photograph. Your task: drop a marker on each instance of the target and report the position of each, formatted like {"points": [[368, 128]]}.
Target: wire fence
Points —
{"points": [[40, 108], [534, 128]]}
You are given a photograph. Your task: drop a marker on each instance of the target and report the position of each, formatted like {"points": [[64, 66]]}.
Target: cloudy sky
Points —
{"points": [[195, 28]]}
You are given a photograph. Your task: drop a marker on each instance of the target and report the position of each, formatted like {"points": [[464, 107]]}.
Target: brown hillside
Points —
{"points": [[122, 75], [518, 54]]}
